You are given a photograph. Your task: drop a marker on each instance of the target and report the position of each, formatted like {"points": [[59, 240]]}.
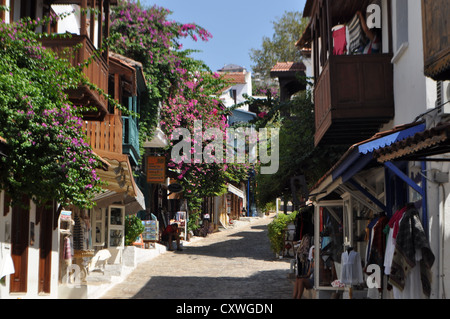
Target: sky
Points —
{"points": [[236, 26]]}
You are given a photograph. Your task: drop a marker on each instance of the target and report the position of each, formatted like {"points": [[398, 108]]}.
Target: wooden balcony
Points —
{"points": [[105, 137], [353, 97], [96, 71], [436, 35]]}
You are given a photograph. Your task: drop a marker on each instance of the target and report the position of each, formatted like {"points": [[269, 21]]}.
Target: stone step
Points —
{"points": [[98, 279], [113, 269]]}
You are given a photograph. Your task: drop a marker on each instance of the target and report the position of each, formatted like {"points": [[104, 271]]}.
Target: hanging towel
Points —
{"points": [[340, 41], [356, 37]]}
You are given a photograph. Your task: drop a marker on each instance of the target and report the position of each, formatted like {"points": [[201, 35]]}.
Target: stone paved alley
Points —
{"points": [[232, 264]]}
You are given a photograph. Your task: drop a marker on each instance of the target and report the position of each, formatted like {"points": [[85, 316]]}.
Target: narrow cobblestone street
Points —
{"points": [[231, 264]]}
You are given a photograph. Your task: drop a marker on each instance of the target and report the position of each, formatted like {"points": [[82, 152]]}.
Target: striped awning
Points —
{"points": [[419, 147]]}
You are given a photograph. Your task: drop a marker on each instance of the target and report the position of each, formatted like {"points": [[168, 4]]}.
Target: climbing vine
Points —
{"points": [[48, 157], [185, 89]]}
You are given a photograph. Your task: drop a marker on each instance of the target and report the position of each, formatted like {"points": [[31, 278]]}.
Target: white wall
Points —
{"points": [[240, 90], [409, 80], [414, 95], [71, 23]]}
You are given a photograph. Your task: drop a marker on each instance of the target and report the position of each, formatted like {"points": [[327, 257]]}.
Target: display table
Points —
{"points": [[78, 258]]}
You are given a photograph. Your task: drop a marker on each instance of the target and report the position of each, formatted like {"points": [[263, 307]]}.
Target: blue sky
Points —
{"points": [[236, 26]]}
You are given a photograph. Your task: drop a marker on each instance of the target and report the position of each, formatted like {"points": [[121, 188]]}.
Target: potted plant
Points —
{"points": [[133, 228]]}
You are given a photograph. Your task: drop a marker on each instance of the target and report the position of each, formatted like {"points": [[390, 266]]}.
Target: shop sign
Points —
{"points": [[66, 215], [156, 169]]}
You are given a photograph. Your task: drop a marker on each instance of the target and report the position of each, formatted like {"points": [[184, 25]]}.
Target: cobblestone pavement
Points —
{"points": [[232, 264]]}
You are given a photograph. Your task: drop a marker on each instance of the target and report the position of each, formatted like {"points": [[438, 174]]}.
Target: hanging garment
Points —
{"points": [[67, 249], [339, 40], [411, 237], [369, 237], [303, 224], [351, 269], [355, 32], [413, 286], [78, 234], [378, 246], [395, 220], [390, 241], [298, 234], [389, 253]]}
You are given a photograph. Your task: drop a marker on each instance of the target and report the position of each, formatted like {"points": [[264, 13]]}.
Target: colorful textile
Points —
{"points": [[340, 41], [67, 249], [356, 36], [411, 237]]}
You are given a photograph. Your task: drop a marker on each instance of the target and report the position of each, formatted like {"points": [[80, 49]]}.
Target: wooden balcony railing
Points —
{"points": [[353, 97], [106, 135], [96, 71]]}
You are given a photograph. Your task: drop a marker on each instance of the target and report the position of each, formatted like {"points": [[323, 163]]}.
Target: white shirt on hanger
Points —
{"points": [[351, 271]]}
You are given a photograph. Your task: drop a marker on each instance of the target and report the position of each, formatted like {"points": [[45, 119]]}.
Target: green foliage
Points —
{"points": [[148, 36], [181, 88], [194, 217], [276, 230], [281, 47], [298, 155], [48, 157], [133, 228]]}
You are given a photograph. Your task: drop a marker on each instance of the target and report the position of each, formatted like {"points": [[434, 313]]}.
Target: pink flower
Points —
{"points": [[262, 114]]}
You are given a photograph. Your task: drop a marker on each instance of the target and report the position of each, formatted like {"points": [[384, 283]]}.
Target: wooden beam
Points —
{"points": [[106, 29], [329, 26], [2, 13], [389, 14], [92, 22], [83, 23], [100, 25]]}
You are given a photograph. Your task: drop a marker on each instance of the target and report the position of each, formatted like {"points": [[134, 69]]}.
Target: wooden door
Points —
{"points": [[45, 248], [19, 247]]}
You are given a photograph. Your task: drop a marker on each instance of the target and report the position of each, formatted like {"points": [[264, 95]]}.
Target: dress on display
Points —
{"points": [[351, 269]]}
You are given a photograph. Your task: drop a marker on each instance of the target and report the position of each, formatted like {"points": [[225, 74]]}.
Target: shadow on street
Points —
{"points": [[262, 285]]}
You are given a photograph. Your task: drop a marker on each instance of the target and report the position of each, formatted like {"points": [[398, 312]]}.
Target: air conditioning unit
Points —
{"points": [[443, 97]]}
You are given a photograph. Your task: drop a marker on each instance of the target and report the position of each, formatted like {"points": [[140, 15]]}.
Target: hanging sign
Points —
{"points": [[156, 169]]}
